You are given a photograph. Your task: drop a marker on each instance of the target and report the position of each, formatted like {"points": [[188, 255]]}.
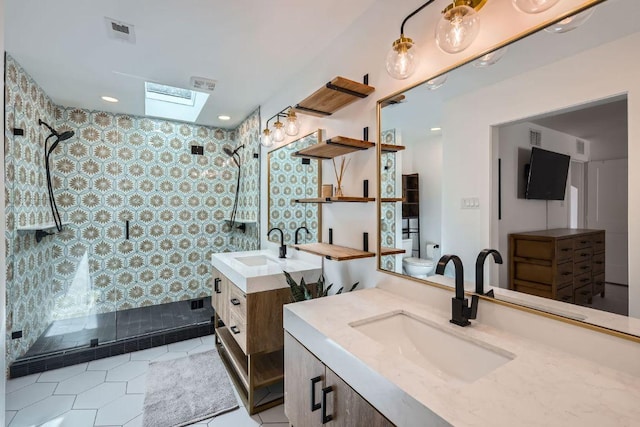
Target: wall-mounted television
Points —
{"points": [[547, 177]]}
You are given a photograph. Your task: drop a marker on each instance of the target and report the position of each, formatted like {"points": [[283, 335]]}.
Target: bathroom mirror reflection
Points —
{"points": [[463, 177], [291, 178]]}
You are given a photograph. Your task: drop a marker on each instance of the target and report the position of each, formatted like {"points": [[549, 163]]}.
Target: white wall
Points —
{"points": [[519, 214], [467, 167]]}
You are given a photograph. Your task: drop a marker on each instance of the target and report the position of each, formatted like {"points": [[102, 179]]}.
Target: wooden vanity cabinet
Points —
{"points": [[563, 264], [251, 341], [307, 380]]}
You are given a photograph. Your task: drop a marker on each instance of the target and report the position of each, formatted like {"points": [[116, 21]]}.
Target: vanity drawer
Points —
{"points": [[537, 249], [583, 295], [582, 254], [582, 267], [534, 272], [564, 249], [598, 263], [598, 284], [238, 330], [582, 280], [237, 302], [582, 242], [598, 242], [565, 294], [564, 274]]}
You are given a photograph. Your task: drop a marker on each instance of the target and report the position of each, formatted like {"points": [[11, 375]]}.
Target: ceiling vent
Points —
{"points": [[579, 146], [535, 138], [201, 83], [119, 30]]}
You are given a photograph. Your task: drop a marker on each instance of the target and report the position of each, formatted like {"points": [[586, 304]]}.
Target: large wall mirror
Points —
{"points": [[292, 178], [553, 109]]}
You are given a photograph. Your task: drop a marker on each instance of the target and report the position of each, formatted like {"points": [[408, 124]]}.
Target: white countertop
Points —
{"points": [[540, 386], [266, 277]]}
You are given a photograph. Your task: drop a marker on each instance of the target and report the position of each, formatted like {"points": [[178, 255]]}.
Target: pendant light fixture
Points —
{"points": [[266, 139], [534, 6], [570, 23], [291, 127], [458, 27], [456, 30], [278, 131], [436, 82]]}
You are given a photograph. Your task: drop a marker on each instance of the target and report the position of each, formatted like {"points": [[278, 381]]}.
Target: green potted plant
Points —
{"points": [[306, 291]]}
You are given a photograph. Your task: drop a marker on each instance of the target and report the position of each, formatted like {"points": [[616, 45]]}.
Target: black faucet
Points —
{"points": [[282, 252], [460, 310], [480, 269], [295, 240]]}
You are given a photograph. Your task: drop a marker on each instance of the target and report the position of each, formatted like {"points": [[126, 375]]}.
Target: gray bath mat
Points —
{"points": [[187, 390]]}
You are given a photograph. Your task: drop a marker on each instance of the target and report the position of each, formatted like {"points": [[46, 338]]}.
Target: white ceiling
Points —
{"points": [[250, 47]]}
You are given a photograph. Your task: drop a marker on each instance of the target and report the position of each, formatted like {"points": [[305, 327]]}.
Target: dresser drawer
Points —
{"points": [[598, 284], [238, 330], [533, 272], [533, 249], [583, 295], [564, 249], [564, 274], [582, 242], [565, 294], [598, 242], [598, 263], [582, 267], [582, 254], [582, 280]]}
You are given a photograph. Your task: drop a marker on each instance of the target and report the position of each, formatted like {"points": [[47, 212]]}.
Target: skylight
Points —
{"points": [[173, 102]]}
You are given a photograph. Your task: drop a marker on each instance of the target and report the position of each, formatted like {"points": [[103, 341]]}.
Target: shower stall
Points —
{"points": [[114, 254]]}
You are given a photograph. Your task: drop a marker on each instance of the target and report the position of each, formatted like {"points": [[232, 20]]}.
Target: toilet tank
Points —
{"points": [[407, 245]]}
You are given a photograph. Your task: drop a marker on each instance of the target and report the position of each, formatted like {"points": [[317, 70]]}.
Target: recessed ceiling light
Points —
{"points": [[436, 129], [109, 99], [224, 117]]}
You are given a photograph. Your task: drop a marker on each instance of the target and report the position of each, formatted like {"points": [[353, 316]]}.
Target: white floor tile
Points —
{"points": [[276, 425], [100, 396], [8, 416], [274, 415], [184, 345], [150, 353], [43, 411], [120, 411], [136, 422], [208, 339], [73, 418], [62, 374], [81, 382], [236, 418], [137, 385], [128, 371], [202, 348], [18, 383], [108, 363], [170, 356], [29, 395]]}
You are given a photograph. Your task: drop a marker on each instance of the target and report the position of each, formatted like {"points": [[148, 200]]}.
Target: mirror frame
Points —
{"points": [[602, 329], [320, 133]]}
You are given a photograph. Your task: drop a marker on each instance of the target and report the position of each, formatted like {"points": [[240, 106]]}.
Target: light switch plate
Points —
{"points": [[470, 203]]}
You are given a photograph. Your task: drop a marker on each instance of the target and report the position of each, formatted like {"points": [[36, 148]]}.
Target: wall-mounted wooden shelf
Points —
{"points": [[392, 199], [334, 147], [337, 199], [391, 251], [334, 252], [392, 101], [391, 148], [41, 230], [336, 94]]}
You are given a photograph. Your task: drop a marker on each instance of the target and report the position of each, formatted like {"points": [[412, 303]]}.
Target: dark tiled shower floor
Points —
{"points": [[67, 342]]}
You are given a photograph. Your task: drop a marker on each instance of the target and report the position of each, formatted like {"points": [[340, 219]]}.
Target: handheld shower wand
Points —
{"points": [[236, 159]]}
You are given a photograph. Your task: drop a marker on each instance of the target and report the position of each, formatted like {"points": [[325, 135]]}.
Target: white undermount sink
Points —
{"points": [[255, 260], [439, 350]]}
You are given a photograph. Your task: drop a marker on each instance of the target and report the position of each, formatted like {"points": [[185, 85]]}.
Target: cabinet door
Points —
{"points": [[220, 295], [303, 380], [347, 408]]}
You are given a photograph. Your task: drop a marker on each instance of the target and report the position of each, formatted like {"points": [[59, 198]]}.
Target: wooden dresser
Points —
{"points": [[563, 264]]}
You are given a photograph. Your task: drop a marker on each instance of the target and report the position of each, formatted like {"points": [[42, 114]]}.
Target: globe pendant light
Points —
{"points": [[278, 131], [401, 61], [292, 127], [534, 6], [570, 23], [457, 28], [266, 139]]}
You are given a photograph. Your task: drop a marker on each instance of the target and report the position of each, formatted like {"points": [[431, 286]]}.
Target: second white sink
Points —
{"points": [[255, 260], [439, 350]]}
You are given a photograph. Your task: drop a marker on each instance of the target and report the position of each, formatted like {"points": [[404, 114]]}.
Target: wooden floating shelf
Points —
{"points": [[391, 148], [39, 227], [334, 252], [337, 199], [392, 199], [334, 147], [336, 94], [392, 101], [391, 251]]}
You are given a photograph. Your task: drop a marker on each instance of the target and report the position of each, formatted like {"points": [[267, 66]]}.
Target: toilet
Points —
{"points": [[419, 267]]}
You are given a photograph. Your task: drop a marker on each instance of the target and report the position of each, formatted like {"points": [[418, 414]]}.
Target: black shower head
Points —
{"points": [[228, 151], [62, 137]]}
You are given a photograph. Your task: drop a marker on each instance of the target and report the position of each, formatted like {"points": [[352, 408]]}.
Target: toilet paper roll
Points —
{"points": [[433, 251]]}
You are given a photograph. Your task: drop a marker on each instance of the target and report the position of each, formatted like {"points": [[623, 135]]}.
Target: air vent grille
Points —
{"points": [[202, 83], [535, 138], [579, 146], [119, 30]]}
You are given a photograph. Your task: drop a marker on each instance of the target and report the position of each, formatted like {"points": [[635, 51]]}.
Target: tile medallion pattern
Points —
{"points": [[290, 179], [389, 211], [116, 168]]}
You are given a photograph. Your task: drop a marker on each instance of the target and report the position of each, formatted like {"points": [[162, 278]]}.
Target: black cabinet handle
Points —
{"points": [[235, 329], [126, 230], [566, 273], [584, 254], [235, 301], [599, 262], [326, 418], [216, 285], [566, 298], [584, 280], [565, 249], [314, 406], [584, 241], [585, 267]]}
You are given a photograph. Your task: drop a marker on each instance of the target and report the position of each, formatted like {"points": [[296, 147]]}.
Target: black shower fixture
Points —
{"points": [[47, 152], [236, 159]]}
